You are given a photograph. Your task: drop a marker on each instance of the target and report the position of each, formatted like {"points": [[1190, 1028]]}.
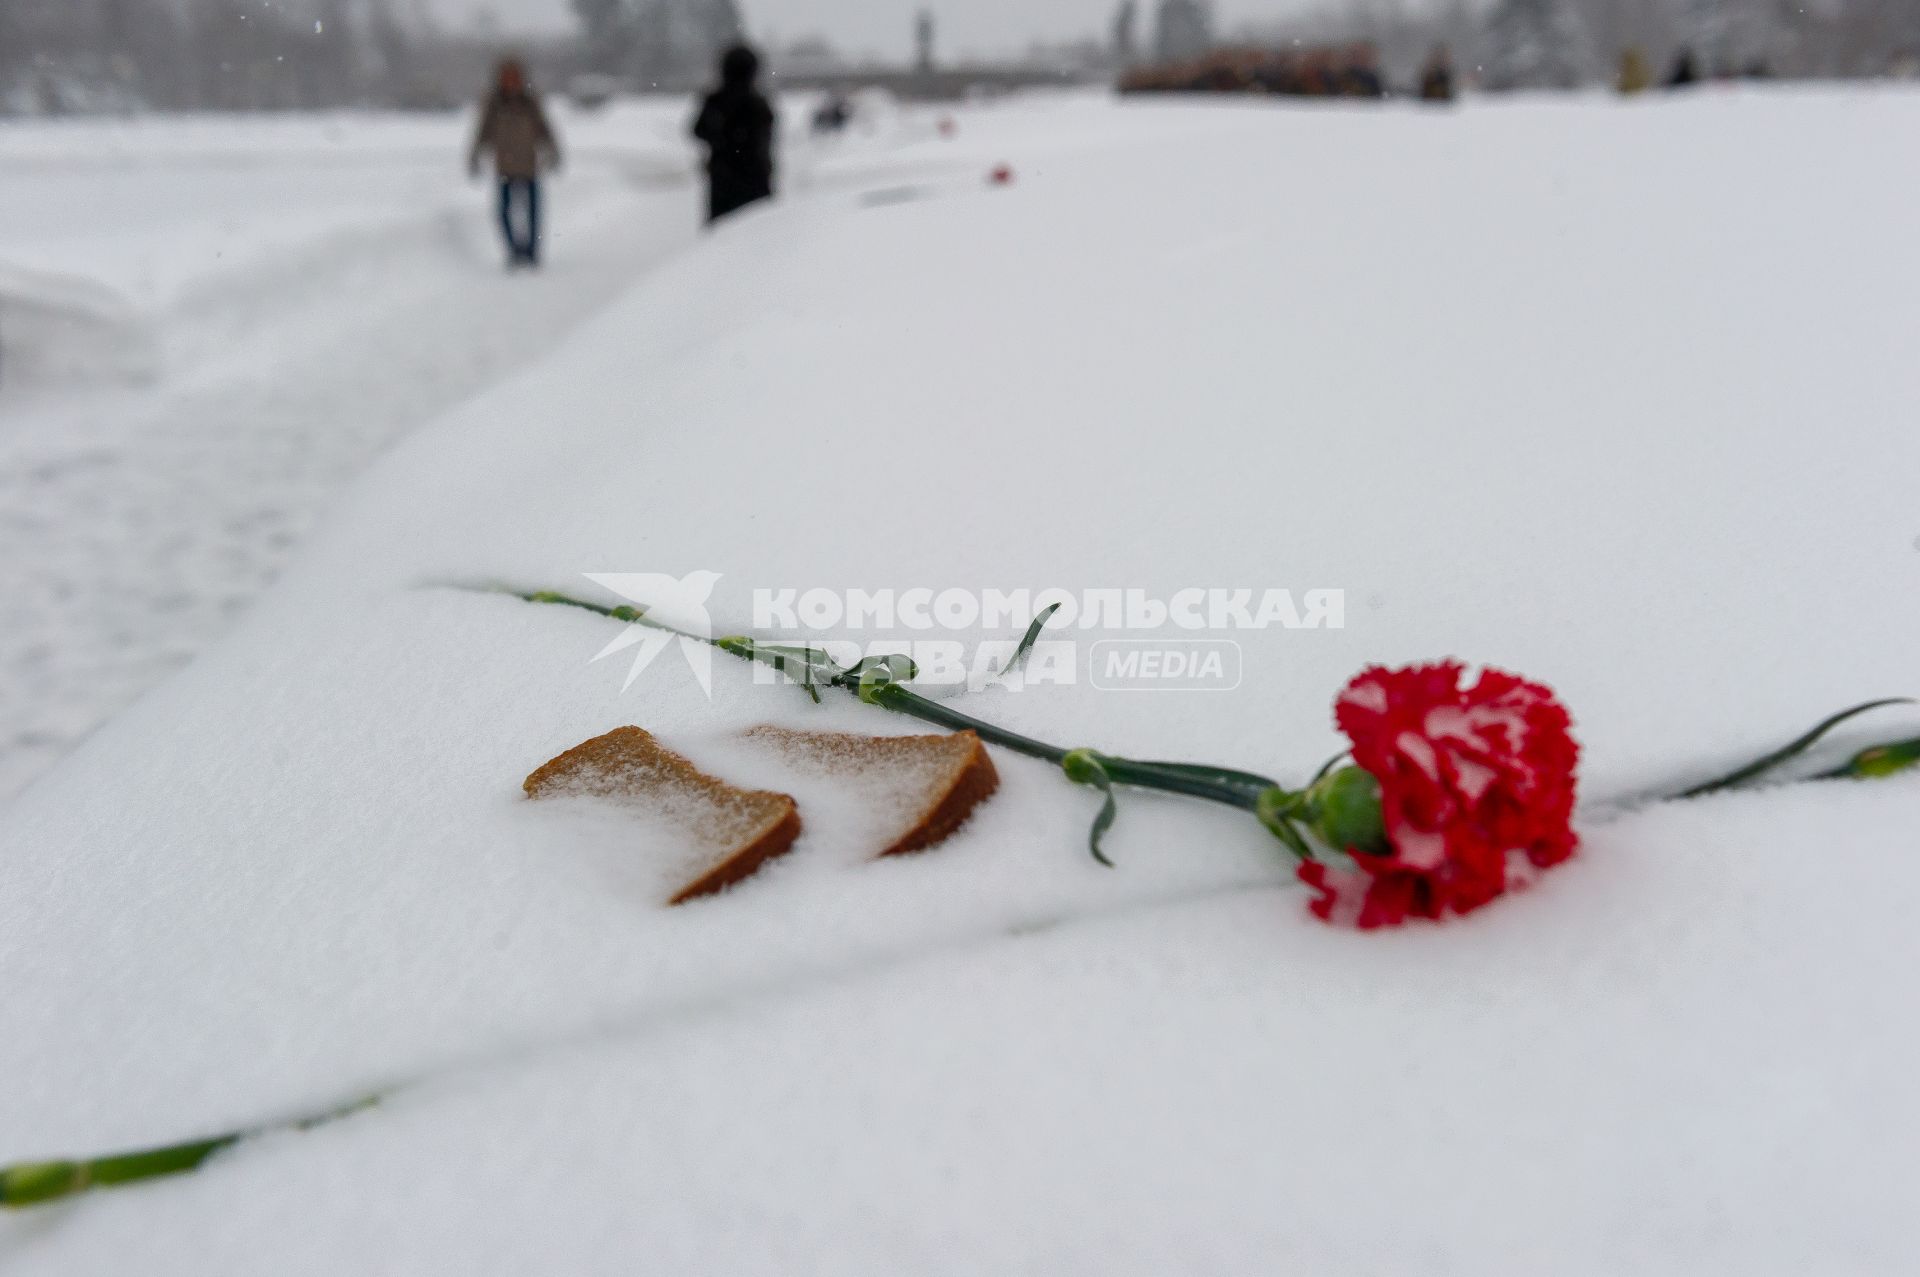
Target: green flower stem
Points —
{"points": [[902, 700], [1800, 745], [1235, 789], [36, 1183], [1127, 771], [1172, 778]]}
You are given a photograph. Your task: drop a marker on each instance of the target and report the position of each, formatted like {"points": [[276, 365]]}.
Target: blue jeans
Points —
{"points": [[521, 248]]}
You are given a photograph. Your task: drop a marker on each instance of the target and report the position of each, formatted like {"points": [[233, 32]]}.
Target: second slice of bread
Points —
{"points": [[932, 783]]}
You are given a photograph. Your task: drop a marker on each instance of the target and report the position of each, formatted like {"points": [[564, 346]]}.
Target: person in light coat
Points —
{"points": [[515, 131]]}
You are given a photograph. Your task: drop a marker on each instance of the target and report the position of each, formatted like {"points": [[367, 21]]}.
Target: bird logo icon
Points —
{"points": [[673, 611]]}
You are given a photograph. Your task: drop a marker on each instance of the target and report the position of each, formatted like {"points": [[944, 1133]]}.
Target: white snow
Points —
{"points": [[1616, 395], [208, 326]]}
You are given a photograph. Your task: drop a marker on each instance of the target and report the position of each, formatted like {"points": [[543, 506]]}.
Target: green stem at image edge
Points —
{"points": [[37, 1183]]}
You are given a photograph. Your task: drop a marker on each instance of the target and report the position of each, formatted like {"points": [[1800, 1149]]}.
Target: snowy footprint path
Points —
{"points": [[139, 521]]}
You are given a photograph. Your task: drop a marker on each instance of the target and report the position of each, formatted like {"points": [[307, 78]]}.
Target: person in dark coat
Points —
{"points": [[515, 130], [1361, 77], [1684, 72], [1436, 77], [736, 123]]}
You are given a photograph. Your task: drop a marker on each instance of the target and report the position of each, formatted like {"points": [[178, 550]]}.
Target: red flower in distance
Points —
{"points": [[1476, 792]]}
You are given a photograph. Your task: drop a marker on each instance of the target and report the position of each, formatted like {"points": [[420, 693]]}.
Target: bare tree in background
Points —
{"points": [[1126, 44], [393, 53], [1536, 44], [122, 55], [1182, 29], [607, 29], [658, 42]]}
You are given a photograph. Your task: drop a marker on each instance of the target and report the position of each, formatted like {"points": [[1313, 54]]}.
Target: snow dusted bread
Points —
{"points": [[735, 830], [924, 787]]}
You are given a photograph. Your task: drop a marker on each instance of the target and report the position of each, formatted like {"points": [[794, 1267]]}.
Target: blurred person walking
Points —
{"points": [[736, 124], [1684, 72], [1360, 78], [515, 130], [1635, 76]]}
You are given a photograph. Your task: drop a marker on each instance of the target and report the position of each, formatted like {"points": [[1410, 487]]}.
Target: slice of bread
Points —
{"points": [[735, 830], [926, 785]]}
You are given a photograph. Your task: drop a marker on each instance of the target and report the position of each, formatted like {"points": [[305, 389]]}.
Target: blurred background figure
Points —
{"points": [[1436, 76], [736, 124], [1635, 75], [1684, 72], [515, 131], [1317, 75], [1362, 72], [833, 113]]}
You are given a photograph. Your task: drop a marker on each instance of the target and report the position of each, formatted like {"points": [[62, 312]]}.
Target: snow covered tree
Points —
{"points": [[1125, 42], [1536, 44]]}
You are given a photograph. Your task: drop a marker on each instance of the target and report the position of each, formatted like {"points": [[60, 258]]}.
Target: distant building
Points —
{"points": [[1182, 29]]}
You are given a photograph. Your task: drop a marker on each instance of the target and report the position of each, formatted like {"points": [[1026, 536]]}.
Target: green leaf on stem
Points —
{"points": [[1031, 637], [807, 666], [1084, 767], [895, 667], [875, 674], [1787, 753]]}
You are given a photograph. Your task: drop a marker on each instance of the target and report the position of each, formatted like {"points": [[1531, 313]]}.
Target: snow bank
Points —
{"points": [[113, 228], [1615, 395], [58, 329], [230, 319]]}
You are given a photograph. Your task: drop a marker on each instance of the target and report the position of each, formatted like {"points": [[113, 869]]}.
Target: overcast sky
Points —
{"points": [[885, 27]]}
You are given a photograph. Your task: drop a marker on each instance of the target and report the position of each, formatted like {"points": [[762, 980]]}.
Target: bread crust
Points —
{"points": [[970, 778], [751, 826]]}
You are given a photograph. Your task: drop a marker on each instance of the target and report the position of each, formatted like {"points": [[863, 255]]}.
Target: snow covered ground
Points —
{"points": [[208, 326], [1619, 395]]}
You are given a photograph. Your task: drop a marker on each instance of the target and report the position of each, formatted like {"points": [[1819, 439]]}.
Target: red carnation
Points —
{"points": [[1476, 792]]}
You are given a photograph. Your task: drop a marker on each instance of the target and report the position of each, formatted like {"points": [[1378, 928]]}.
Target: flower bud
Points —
{"points": [[1083, 767], [1343, 810], [1884, 760]]}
